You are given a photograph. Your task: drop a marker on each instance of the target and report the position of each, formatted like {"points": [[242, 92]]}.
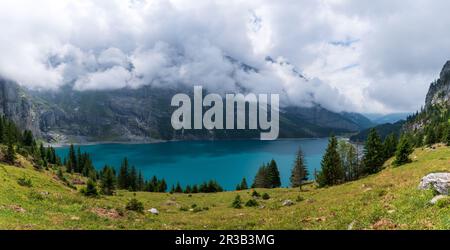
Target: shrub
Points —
{"points": [[135, 205], [237, 203], [266, 196], [443, 203], [183, 208], [381, 192], [91, 189], [255, 194], [25, 182], [120, 211], [251, 203]]}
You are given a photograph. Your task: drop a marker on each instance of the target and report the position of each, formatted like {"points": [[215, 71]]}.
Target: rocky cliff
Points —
{"points": [[16, 105], [439, 92]]}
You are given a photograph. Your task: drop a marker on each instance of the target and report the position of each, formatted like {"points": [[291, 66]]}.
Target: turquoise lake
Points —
{"points": [[192, 162]]}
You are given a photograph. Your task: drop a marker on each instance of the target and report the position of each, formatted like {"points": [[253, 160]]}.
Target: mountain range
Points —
{"points": [[142, 114], [386, 118]]}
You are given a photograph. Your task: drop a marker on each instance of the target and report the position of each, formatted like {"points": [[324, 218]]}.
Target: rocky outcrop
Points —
{"points": [[439, 92], [16, 105], [287, 203], [437, 100], [440, 182]]}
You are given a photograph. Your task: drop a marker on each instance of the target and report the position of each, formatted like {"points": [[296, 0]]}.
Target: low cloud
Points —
{"points": [[364, 56]]}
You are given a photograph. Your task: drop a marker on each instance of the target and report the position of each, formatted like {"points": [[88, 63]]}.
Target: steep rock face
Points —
{"points": [[437, 103], [120, 115], [439, 92], [16, 105]]}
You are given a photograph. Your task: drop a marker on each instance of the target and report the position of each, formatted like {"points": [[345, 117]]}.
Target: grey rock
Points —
{"points": [[287, 203], [438, 181], [437, 198]]}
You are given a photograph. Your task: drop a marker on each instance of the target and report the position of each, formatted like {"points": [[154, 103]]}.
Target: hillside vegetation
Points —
{"points": [[32, 199]]}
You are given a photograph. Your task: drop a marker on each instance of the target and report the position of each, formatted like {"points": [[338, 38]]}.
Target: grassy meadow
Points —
{"points": [[387, 200]]}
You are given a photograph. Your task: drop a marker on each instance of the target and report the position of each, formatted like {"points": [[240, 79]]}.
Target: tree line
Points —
{"points": [[268, 175], [24, 143], [434, 126], [342, 162], [131, 179]]}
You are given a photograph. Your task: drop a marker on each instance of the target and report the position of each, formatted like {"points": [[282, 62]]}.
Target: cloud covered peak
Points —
{"points": [[332, 53]]}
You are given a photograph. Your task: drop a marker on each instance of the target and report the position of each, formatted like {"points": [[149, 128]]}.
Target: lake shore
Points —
{"points": [[156, 141]]}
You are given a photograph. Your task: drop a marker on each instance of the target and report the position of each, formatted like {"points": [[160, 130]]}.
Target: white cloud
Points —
{"points": [[365, 56]]}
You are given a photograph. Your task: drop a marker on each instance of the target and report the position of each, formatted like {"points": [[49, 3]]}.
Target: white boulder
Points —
{"points": [[153, 211], [438, 181], [287, 203]]}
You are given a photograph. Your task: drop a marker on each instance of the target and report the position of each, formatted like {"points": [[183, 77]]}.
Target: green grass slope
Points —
{"points": [[388, 200]]}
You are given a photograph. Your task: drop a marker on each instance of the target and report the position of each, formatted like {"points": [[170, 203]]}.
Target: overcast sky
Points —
{"points": [[363, 56]]}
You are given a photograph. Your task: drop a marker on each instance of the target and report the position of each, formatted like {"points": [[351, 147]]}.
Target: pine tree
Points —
{"points": [[123, 179], [373, 153], [390, 146], [178, 188], [162, 186], [108, 181], [80, 162], [203, 188], [85, 166], [90, 189], [10, 153], [140, 182], [133, 179], [237, 202], [404, 149], [187, 190], [243, 185], [332, 172], [60, 174], [446, 135], [260, 180], [430, 138], [43, 153], [28, 139], [273, 175], [194, 189], [213, 187], [299, 173], [152, 185], [72, 160]]}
